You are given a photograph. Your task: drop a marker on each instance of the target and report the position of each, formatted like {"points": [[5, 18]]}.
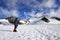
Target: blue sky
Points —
{"points": [[25, 9]]}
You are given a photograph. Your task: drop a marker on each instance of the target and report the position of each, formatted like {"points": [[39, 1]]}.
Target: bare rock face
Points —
{"points": [[56, 18], [45, 19]]}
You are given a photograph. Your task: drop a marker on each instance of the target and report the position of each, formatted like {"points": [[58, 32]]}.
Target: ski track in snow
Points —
{"points": [[30, 32]]}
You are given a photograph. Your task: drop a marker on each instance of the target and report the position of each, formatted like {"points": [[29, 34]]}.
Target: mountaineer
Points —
{"points": [[15, 21]]}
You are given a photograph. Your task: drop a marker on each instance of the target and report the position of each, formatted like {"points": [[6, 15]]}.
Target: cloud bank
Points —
{"points": [[50, 4], [54, 13], [41, 5], [9, 13], [11, 9]]}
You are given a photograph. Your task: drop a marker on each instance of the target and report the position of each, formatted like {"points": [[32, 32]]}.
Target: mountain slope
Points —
{"points": [[30, 32], [44, 21]]}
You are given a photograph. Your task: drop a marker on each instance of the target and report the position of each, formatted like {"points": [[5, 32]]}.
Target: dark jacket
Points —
{"points": [[13, 20]]}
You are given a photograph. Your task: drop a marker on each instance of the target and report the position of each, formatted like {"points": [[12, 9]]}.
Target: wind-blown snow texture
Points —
{"points": [[31, 32]]}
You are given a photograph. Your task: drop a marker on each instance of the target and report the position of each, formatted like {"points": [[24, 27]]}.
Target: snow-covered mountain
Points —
{"points": [[34, 21], [46, 20]]}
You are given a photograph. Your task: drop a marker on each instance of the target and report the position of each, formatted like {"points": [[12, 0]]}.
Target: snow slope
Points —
{"points": [[32, 21], [4, 22], [31, 32], [35, 21]]}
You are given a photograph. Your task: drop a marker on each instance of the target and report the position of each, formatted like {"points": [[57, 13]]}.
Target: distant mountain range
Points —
{"points": [[36, 20], [45, 20]]}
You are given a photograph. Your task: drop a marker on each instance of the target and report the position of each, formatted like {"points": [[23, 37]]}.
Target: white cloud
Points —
{"points": [[36, 4], [14, 13], [54, 13], [31, 3], [49, 3], [39, 14], [32, 14], [9, 13], [11, 4]]}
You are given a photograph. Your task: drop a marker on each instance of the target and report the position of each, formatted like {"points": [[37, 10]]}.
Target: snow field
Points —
{"points": [[30, 32]]}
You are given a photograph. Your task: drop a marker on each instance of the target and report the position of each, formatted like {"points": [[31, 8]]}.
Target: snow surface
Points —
{"points": [[38, 21], [30, 32], [36, 29], [4, 22]]}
